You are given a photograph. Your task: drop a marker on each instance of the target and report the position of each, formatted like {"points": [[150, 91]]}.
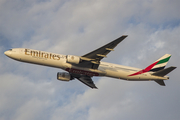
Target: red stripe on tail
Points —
{"points": [[145, 70]]}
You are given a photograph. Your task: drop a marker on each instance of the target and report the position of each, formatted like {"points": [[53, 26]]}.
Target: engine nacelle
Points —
{"points": [[73, 59], [63, 76]]}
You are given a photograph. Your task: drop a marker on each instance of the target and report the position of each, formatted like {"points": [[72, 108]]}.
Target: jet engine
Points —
{"points": [[73, 59], [63, 76]]}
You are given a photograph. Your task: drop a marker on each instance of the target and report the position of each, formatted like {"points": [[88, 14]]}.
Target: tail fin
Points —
{"points": [[161, 63], [159, 70], [156, 66]]}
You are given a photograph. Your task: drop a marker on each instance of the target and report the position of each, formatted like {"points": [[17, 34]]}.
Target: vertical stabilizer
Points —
{"points": [[161, 63], [156, 66]]}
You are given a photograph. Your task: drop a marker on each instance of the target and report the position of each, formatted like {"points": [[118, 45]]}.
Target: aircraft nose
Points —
{"points": [[7, 53]]}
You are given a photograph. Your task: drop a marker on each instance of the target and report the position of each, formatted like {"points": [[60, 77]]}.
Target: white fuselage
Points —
{"points": [[60, 61]]}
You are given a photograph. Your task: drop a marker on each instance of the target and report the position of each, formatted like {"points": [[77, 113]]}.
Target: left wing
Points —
{"points": [[88, 81], [101, 52], [92, 59]]}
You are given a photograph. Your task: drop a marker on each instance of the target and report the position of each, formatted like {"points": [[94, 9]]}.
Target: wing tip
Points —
{"points": [[95, 87], [124, 35]]}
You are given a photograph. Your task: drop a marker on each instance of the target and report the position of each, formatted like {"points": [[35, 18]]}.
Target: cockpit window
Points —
{"points": [[10, 49]]}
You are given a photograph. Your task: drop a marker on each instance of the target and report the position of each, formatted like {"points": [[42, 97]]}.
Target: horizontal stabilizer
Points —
{"points": [[164, 71], [160, 82]]}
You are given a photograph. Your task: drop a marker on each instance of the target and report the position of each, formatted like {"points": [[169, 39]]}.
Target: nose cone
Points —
{"points": [[7, 53]]}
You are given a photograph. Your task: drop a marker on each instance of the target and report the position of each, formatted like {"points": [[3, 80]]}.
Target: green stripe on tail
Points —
{"points": [[163, 60], [162, 63]]}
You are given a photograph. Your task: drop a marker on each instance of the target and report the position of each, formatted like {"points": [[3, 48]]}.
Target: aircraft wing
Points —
{"points": [[88, 81], [92, 59]]}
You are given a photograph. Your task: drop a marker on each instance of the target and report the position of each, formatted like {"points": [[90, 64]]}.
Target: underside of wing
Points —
{"points": [[88, 81], [92, 59]]}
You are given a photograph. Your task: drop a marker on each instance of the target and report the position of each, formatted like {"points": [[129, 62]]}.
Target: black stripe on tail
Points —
{"points": [[157, 69]]}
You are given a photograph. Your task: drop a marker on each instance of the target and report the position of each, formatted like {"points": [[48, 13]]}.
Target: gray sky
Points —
{"points": [[77, 27]]}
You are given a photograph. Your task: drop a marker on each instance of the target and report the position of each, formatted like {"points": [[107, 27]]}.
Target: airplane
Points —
{"points": [[85, 67]]}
